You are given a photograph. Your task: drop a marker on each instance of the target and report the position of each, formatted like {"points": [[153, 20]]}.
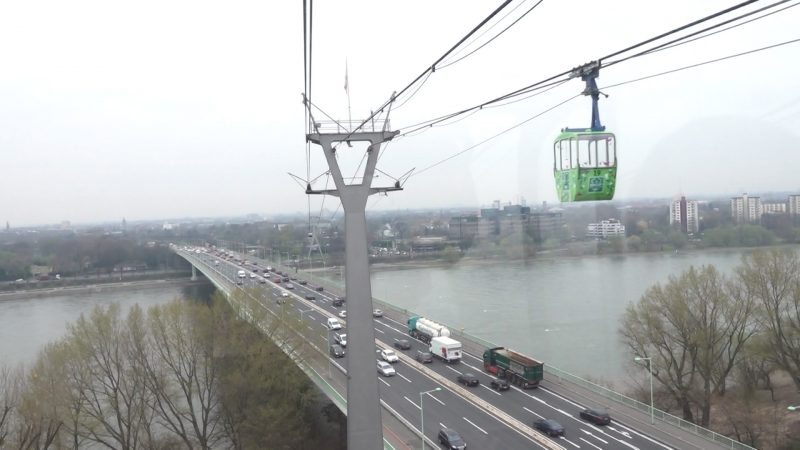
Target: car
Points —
{"points": [[269, 268], [377, 313], [303, 282], [320, 289], [289, 286], [468, 379], [389, 356], [293, 278], [311, 297], [261, 280], [333, 324], [402, 344], [385, 369], [337, 351], [549, 427], [499, 384], [451, 440], [338, 302], [343, 314], [252, 275], [239, 282], [424, 357], [596, 417], [285, 279], [284, 294], [277, 280], [340, 338]]}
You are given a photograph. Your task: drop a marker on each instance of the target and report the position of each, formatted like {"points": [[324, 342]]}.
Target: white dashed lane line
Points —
{"points": [[409, 401], [454, 370], [384, 382], [473, 424], [401, 376], [489, 389]]}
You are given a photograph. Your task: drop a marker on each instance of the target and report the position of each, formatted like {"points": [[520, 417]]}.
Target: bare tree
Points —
{"points": [[113, 412], [773, 279], [693, 328]]}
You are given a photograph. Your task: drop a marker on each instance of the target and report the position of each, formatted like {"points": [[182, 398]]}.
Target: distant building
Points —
{"points": [[773, 208], [545, 225], [746, 209], [794, 205], [683, 213], [605, 229], [463, 227]]}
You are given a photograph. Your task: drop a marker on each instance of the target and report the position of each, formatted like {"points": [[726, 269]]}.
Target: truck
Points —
{"points": [[445, 348], [426, 329], [514, 367]]}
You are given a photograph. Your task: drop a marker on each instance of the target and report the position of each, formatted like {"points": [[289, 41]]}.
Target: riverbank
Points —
{"points": [[100, 287]]}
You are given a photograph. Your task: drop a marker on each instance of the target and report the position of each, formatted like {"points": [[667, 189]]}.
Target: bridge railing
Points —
{"points": [[477, 345]]}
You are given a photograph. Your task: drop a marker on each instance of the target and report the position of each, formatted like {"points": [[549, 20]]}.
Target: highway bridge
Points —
{"points": [[485, 418]]}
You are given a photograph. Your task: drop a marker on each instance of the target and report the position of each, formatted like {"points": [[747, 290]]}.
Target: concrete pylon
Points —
{"points": [[364, 430]]}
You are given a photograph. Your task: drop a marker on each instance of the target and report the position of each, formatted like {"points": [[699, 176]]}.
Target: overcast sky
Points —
{"points": [[167, 109]]}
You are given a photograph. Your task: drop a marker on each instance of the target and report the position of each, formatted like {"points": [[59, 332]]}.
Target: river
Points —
{"points": [[27, 325], [565, 312]]}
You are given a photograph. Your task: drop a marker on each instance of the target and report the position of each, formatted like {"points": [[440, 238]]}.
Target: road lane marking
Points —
{"points": [[384, 382], [584, 440], [596, 437], [534, 413], [574, 444], [409, 401], [309, 327], [454, 370], [401, 376], [473, 367], [443, 425], [624, 433], [488, 389], [379, 331], [441, 402], [471, 356], [644, 436], [479, 428]]}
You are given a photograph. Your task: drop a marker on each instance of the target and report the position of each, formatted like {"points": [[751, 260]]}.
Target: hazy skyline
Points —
{"points": [[192, 109]]}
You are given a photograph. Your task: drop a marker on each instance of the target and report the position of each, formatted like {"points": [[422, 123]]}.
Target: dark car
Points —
{"points": [[500, 385], [338, 302], [319, 288], [311, 297], [303, 282], [293, 278], [451, 440], [285, 279], [337, 351], [402, 344], [424, 357], [596, 417], [549, 427], [468, 379]]}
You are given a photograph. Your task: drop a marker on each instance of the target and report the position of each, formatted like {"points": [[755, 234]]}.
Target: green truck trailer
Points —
{"points": [[516, 368]]}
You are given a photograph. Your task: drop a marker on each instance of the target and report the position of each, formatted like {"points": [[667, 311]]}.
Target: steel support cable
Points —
{"points": [[732, 26], [495, 36], [691, 66], [517, 125], [527, 89], [780, 44], [431, 68], [483, 33], [680, 28], [685, 39]]}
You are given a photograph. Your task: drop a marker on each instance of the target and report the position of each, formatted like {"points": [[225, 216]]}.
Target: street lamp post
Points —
{"points": [[649, 369], [422, 415]]}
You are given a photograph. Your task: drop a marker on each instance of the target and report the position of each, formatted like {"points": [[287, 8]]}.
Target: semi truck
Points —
{"points": [[516, 368], [426, 329], [446, 349]]}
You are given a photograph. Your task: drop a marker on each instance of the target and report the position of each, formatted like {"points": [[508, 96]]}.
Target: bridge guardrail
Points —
{"points": [[477, 345]]}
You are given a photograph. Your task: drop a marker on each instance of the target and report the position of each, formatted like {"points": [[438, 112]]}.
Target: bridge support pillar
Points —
{"points": [[364, 429], [194, 273]]}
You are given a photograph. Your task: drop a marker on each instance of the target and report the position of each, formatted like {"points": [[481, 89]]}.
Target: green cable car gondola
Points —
{"points": [[585, 159]]}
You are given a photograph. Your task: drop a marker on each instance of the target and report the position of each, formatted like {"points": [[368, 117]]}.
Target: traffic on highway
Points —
{"points": [[463, 404]]}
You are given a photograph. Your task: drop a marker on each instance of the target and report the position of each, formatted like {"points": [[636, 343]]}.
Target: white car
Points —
{"points": [[389, 356], [340, 338], [377, 313], [386, 369], [343, 314], [334, 324], [284, 294], [289, 286], [252, 275]]}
